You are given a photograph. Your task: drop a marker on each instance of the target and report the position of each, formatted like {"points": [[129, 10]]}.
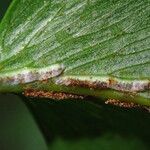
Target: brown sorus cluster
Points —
{"points": [[121, 103], [87, 84], [52, 95]]}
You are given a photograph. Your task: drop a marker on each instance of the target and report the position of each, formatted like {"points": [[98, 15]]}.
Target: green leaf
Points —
{"points": [[99, 48], [69, 34]]}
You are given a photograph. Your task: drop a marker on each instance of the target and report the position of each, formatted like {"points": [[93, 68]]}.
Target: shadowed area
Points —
{"points": [[90, 119], [3, 7]]}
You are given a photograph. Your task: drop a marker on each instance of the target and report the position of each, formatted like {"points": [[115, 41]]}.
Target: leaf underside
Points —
{"points": [[89, 47]]}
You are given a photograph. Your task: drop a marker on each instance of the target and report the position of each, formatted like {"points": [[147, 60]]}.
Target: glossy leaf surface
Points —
{"points": [[91, 42]]}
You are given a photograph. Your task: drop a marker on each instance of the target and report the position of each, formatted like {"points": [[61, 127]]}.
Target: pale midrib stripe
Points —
{"points": [[125, 85], [28, 75]]}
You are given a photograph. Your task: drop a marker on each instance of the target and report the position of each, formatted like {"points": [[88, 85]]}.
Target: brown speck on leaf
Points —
{"points": [[52, 95], [121, 103], [112, 81]]}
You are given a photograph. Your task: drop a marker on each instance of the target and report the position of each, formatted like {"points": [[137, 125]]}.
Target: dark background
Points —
{"points": [[3, 6]]}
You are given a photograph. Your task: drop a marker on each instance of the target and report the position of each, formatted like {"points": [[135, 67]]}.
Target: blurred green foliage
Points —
{"points": [[18, 130]]}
